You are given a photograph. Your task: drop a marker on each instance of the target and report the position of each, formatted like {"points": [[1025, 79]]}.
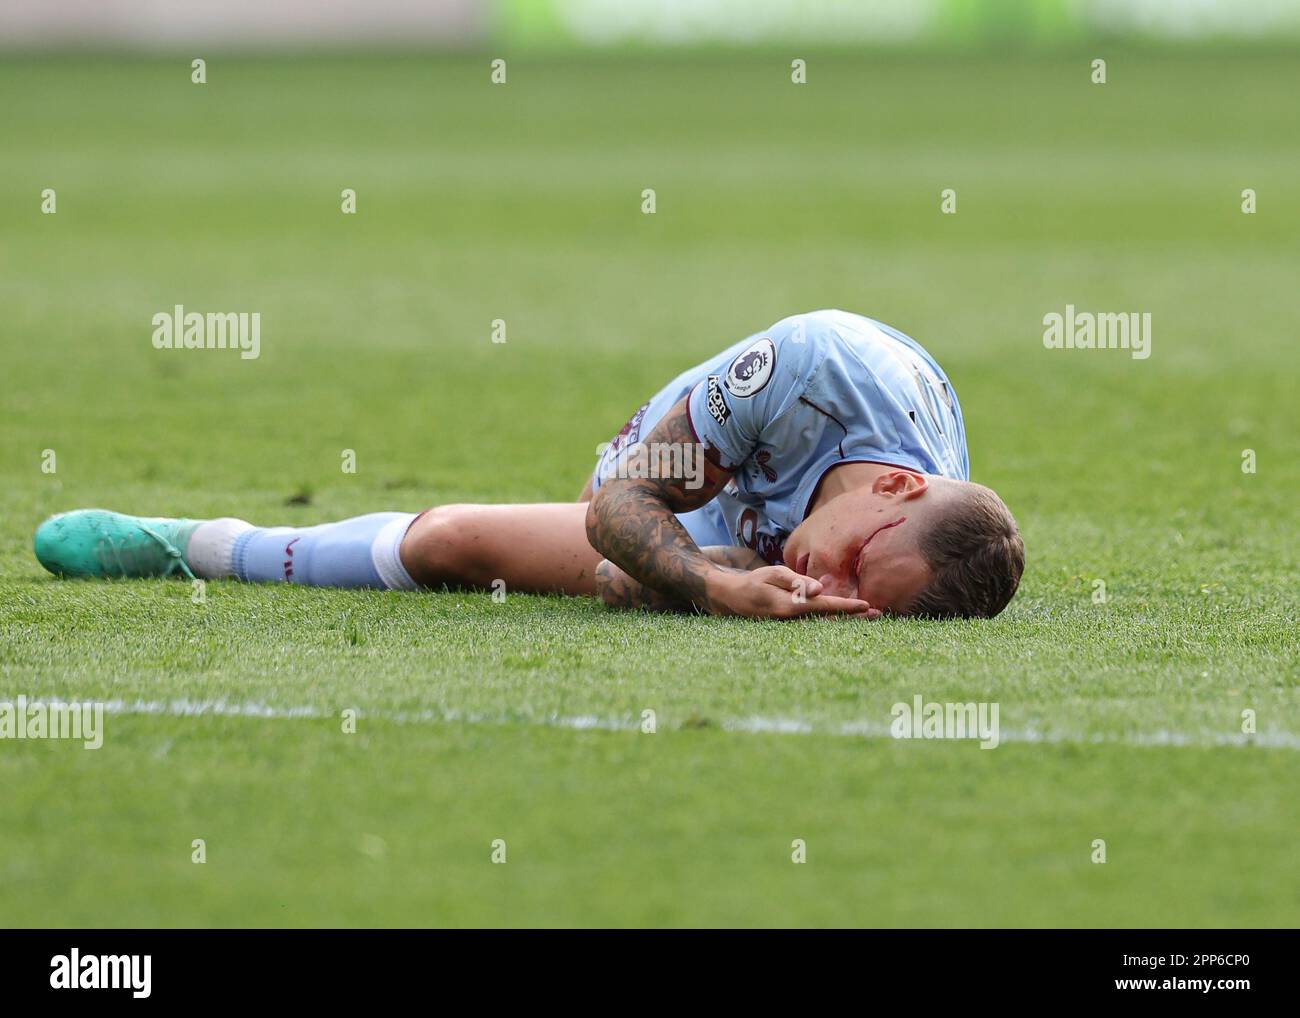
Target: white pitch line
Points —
{"points": [[878, 730], [750, 725]]}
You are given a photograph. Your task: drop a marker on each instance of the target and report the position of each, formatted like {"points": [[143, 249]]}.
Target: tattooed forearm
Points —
{"points": [[618, 590], [633, 527], [632, 520]]}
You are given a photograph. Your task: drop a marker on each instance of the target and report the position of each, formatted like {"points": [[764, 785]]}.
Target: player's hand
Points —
{"points": [[778, 592]]}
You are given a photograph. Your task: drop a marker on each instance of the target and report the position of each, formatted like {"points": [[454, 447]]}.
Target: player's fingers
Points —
{"points": [[781, 576], [827, 604], [807, 586], [787, 579], [828, 579]]}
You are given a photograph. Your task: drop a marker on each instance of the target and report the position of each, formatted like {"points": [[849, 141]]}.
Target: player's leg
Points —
{"points": [[359, 552], [539, 548], [529, 547]]}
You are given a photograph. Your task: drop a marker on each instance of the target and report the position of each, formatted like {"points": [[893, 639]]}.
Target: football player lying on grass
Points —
{"points": [[817, 468]]}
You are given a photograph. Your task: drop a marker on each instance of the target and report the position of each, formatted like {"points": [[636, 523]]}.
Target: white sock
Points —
{"points": [[212, 545], [386, 555]]}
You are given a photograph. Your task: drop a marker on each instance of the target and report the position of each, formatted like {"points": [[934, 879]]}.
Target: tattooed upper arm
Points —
{"points": [[678, 467]]}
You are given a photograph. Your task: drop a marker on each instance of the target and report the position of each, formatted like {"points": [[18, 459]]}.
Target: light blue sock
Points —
{"points": [[360, 552]]}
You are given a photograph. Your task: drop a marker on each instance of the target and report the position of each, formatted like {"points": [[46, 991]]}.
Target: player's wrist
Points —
{"points": [[720, 586]]}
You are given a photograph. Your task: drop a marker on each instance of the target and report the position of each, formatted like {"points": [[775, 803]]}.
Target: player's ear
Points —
{"points": [[901, 483]]}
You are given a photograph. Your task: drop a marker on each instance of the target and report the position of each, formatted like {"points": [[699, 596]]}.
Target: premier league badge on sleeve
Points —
{"points": [[751, 370]]}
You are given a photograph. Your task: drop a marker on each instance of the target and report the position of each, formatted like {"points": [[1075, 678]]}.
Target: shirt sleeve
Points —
{"points": [[745, 392]]}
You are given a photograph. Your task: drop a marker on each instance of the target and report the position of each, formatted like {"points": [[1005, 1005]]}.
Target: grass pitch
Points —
{"points": [[520, 720]]}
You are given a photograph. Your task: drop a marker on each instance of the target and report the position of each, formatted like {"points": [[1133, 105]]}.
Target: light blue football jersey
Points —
{"points": [[784, 406]]}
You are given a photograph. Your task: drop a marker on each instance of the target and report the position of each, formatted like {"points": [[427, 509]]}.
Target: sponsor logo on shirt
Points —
{"points": [[752, 369], [718, 409], [770, 547]]}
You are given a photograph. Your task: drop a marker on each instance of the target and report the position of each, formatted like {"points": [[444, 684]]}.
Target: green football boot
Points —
{"points": [[96, 542]]}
